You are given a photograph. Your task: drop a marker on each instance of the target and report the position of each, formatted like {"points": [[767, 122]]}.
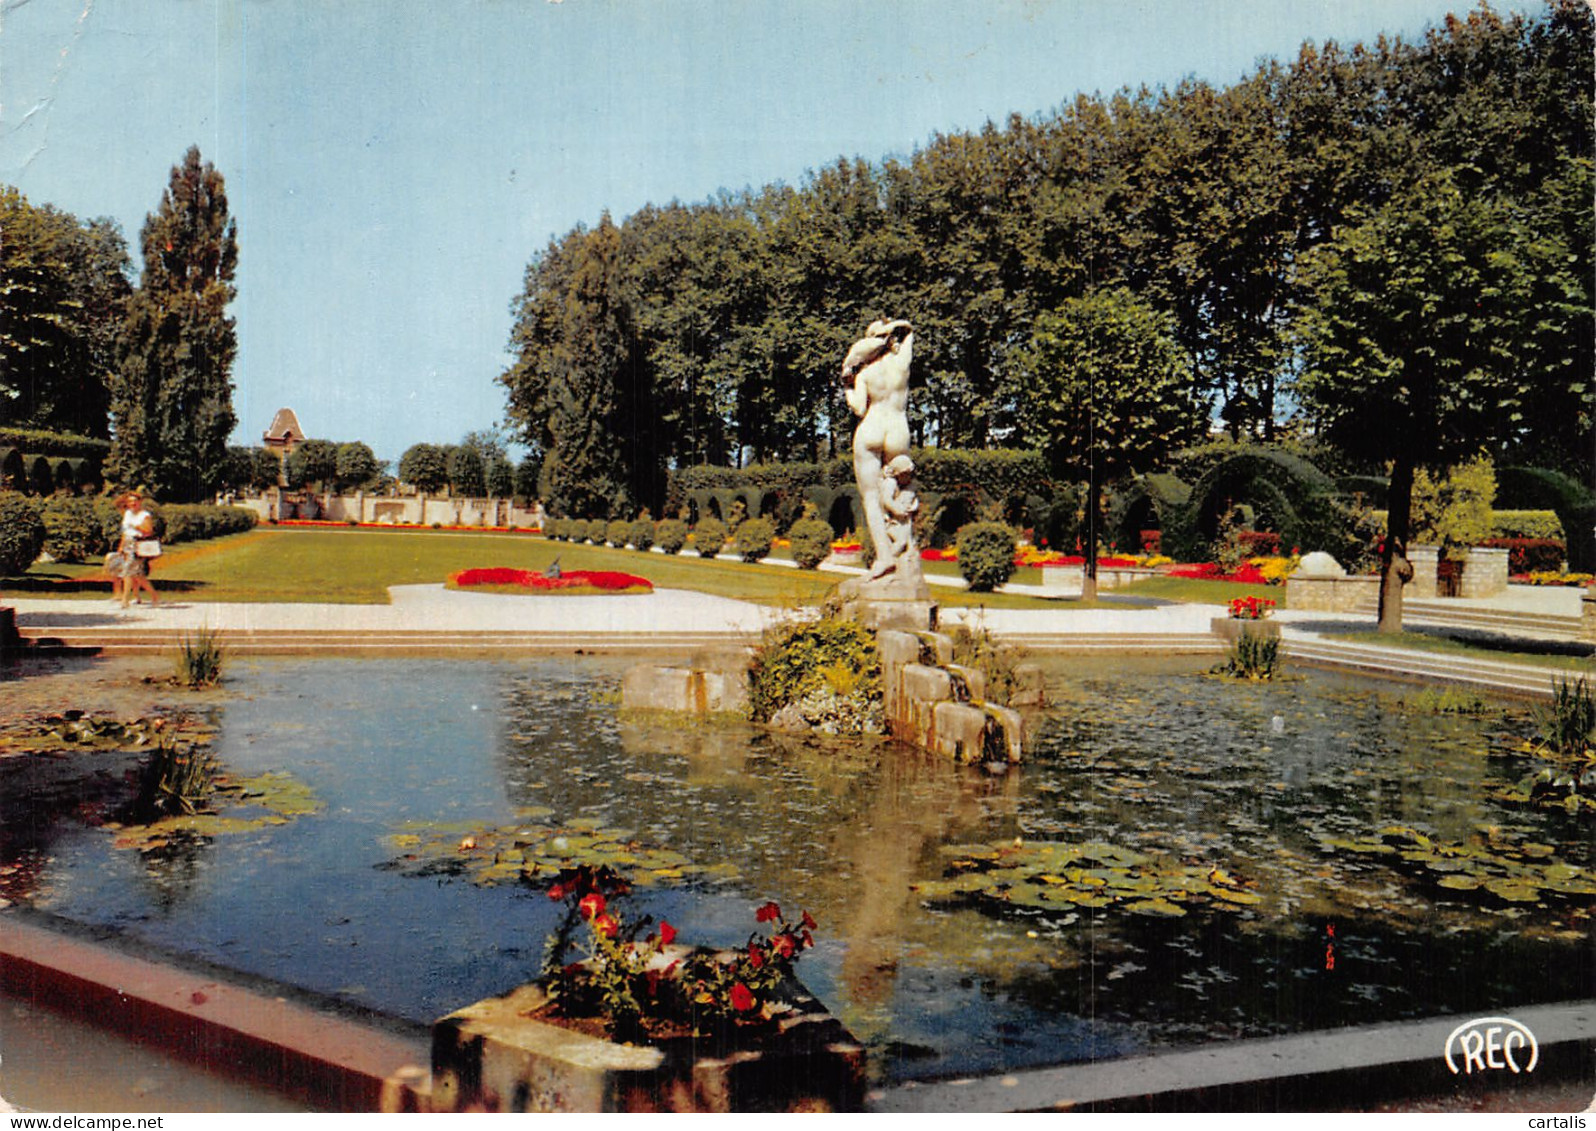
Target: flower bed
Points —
{"points": [[572, 582], [1553, 577], [1247, 574]]}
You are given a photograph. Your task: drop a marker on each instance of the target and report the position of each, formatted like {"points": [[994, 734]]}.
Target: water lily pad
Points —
{"points": [[1159, 908]]}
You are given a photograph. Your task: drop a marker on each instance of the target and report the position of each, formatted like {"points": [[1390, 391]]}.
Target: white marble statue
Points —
{"points": [[875, 376]]}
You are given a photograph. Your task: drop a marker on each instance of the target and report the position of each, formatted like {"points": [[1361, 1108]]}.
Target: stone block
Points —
{"points": [[1425, 560], [496, 1056], [649, 687], [898, 648], [1484, 572], [959, 731], [973, 680], [1030, 686], [1011, 726], [905, 616], [1588, 618], [926, 684], [1232, 629], [1330, 594], [937, 645]]}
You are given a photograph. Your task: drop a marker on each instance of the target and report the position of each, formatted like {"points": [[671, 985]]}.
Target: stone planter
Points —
{"points": [[1231, 629], [496, 1056], [846, 558]]}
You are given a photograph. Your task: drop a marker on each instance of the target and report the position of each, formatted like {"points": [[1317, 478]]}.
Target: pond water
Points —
{"points": [[1143, 771]]}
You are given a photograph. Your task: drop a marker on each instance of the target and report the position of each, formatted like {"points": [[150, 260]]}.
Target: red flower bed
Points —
{"points": [[1246, 574], [505, 577]]}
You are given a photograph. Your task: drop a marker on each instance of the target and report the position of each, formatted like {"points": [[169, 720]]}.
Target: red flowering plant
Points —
{"points": [[647, 986], [1251, 608]]}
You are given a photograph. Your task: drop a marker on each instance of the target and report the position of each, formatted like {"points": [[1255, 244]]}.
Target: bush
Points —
{"points": [[75, 528], [554, 529], [811, 541], [642, 534], [830, 668], [986, 554], [1526, 524], [617, 531], [21, 532], [709, 537], [197, 521], [670, 535], [1530, 555], [753, 539]]}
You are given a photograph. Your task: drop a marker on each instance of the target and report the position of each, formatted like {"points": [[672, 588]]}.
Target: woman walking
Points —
{"points": [[138, 547]]}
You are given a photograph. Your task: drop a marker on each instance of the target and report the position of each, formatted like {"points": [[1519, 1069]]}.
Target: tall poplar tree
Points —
{"points": [[172, 397]]}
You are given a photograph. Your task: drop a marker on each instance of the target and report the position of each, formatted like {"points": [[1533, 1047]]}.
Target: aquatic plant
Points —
{"points": [[199, 658], [176, 779], [1253, 657], [1063, 879], [977, 648], [1568, 723], [1489, 868], [634, 986]]}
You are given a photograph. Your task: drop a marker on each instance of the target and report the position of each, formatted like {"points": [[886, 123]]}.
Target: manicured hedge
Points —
{"points": [[753, 539], [1531, 555], [21, 532], [670, 535]]}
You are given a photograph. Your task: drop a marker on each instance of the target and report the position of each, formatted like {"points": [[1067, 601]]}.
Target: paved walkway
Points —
{"points": [[430, 618]]}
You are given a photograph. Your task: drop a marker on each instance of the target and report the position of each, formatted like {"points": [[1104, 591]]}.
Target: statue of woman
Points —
{"points": [[876, 379]]}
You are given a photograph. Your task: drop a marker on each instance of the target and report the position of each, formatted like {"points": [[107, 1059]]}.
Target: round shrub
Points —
{"points": [[73, 530], [811, 542], [709, 536], [986, 554], [21, 532], [753, 539], [617, 532], [578, 527], [551, 529], [670, 535], [642, 535]]}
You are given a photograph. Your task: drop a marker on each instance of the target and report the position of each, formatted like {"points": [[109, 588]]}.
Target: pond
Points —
{"points": [[1182, 859]]}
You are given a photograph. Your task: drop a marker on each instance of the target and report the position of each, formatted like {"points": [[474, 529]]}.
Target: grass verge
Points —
{"points": [[1558, 657]]}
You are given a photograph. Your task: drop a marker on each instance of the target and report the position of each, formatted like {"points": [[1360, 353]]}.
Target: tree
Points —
{"points": [[1438, 324], [466, 472], [265, 468], [172, 396], [1106, 393], [499, 477], [526, 476], [312, 462], [423, 467], [63, 286], [239, 468], [356, 466]]}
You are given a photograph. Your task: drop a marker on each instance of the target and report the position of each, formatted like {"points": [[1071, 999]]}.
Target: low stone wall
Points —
{"points": [[397, 510], [700, 690], [1426, 561], [1588, 620], [1069, 580], [1331, 594]]}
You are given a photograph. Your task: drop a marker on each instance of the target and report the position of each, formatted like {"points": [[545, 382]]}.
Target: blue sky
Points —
{"points": [[394, 164]]}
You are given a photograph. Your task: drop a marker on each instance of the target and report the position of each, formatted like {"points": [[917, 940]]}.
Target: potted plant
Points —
{"points": [[625, 1018], [1248, 616]]}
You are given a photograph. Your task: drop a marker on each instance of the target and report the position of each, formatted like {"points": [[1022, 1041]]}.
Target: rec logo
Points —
{"points": [[1488, 1043]]}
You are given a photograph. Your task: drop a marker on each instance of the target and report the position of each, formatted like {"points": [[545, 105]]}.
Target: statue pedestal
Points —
{"points": [[900, 600]]}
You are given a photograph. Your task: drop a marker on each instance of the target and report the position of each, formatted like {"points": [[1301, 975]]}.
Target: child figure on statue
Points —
{"points": [[899, 505]]}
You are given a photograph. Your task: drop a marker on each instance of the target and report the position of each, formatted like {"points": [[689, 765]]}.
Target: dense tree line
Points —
{"points": [[1223, 231]]}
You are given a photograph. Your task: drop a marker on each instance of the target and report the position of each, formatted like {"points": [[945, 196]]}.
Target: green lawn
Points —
{"points": [[356, 566]]}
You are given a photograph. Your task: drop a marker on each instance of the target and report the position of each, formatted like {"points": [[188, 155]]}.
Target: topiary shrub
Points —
{"points": [[811, 539], [986, 554], [616, 532], [21, 532], [74, 530], [753, 539], [709, 537], [1530, 555], [827, 673], [670, 535], [642, 533]]}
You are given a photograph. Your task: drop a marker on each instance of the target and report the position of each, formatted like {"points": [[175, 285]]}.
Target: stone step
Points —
{"points": [[1170, 643], [284, 642], [1504, 621], [1409, 664]]}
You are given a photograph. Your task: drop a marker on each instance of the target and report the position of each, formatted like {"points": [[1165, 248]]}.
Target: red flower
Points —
{"points": [[558, 891], [756, 956], [592, 905], [784, 945], [768, 913], [742, 998], [606, 925], [808, 921], [667, 933]]}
